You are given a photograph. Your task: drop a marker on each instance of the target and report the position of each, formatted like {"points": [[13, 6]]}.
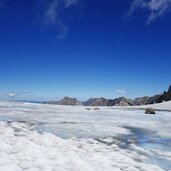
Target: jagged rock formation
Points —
{"points": [[154, 99], [121, 101], [101, 102], [89, 102], [141, 100], [67, 101], [70, 101], [146, 100], [166, 96]]}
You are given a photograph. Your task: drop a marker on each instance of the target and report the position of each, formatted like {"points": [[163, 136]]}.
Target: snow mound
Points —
{"points": [[162, 106], [24, 150]]}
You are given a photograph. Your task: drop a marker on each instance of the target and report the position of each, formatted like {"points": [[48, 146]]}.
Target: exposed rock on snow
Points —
{"points": [[166, 96], [122, 101], [70, 101], [165, 106], [150, 111], [67, 101]]}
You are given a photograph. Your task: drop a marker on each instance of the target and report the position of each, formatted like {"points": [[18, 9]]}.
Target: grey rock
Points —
{"points": [[66, 101], [89, 102], [154, 99], [70, 101], [96, 108], [141, 100], [150, 111], [101, 102], [166, 96], [121, 101]]}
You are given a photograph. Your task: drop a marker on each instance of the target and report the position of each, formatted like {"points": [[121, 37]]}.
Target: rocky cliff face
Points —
{"points": [[146, 100], [101, 102], [67, 101], [90, 101], [122, 101], [166, 96], [70, 101]]}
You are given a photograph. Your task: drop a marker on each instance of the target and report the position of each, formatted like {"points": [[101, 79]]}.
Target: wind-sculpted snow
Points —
{"points": [[27, 150], [36, 137]]}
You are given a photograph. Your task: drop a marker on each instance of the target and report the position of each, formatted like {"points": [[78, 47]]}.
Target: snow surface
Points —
{"points": [[159, 106], [36, 137]]}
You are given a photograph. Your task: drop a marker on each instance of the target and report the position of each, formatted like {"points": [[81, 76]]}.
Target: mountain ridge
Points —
{"points": [[121, 101]]}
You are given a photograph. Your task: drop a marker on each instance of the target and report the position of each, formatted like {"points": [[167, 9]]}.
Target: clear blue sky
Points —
{"points": [[84, 48]]}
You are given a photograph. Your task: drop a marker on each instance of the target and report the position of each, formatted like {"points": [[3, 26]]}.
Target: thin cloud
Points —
{"points": [[11, 94], [53, 14], [157, 8], [15, 94], [68, 3], [122, 92]]}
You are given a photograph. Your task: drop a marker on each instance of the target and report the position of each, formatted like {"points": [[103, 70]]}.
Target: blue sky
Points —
{"points": [[84, 48]]}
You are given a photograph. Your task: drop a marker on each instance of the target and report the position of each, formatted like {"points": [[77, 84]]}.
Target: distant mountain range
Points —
{"points": [[121, 101], [67, 101]]}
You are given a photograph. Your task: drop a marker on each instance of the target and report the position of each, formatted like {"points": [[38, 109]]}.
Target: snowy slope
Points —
{"points": [[159, 106], [35, 137]]}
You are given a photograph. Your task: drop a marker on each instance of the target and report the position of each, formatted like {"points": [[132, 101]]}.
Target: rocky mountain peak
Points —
{"points": [[121, 101], [69, 101], [169, 90]]}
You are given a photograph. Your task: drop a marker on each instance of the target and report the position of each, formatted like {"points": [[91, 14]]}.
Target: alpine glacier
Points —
{"points": [[41, 137]]}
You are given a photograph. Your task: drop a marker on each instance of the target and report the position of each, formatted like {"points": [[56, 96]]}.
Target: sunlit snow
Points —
{"points": [[36, 137]]}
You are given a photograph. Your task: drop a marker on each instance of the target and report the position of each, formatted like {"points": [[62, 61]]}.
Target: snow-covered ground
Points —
{"points": [[159, 106], [36, 137]]}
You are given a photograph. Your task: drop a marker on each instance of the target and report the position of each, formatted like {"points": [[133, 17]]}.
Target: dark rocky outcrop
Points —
{"points": [[101, 102], [89, 102], [146, 100], [96, 108], [166, 96], [154, 99], [121, 101], [67, 101], [150, 111], [141, 100], [70, 101]]}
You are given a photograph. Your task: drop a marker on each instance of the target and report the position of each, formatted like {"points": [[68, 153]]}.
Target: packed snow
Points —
{"points": [[159, 106], [39, 137]]}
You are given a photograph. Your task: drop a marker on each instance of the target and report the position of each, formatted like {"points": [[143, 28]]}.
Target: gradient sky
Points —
{"points": [[84, 48]]}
